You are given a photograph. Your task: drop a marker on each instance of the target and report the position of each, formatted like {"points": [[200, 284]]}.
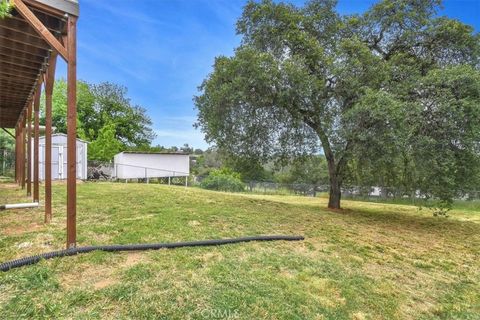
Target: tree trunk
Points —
{"points": [[335, 193], [335, 170], [335, 183]]}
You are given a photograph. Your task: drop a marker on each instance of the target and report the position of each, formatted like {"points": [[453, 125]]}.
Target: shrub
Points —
{"points": [[223, 180], [5, 9]]}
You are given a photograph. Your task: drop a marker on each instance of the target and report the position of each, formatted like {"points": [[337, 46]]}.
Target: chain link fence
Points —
{"points": [[98, 170], [303, 189], [370, 193], [106, 171]]}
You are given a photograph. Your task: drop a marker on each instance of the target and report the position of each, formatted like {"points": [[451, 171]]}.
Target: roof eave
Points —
{"points": [[66, 6]]}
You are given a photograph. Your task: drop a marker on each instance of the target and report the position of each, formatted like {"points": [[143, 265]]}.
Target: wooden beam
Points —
{"points": [[12, 88], [8, 111], [19, 26], [29, 149], [12, 106], [15, 93], [21, 37], [10, 117], [7, 78], [9, 81], [23, 65], [21, 47], [40, 28], [36, 141], [13, 109], [6, 103], [21, 55], [14, 58], [11, 100], [52, 28], [12, 85], [7, 123], [7, 67], [14, 76], [72, 132], [49, 82], [22, 95], [14, 42]]}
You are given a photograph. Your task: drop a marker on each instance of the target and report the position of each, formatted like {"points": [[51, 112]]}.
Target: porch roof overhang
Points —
{"points": [[25, 50]]}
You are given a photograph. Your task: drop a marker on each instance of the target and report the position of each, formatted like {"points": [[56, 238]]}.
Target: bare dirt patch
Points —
{"points": [[16, 230], [89, 275], [133, 258]]}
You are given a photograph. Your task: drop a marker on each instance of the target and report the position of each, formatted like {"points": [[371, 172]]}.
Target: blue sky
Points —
{"points": [[161, 50]]}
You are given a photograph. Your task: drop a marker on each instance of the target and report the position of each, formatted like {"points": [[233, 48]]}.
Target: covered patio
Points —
{"points": [[37, 32]]}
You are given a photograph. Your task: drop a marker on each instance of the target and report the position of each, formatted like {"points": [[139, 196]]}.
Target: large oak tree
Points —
{"points": [[396, 80]]}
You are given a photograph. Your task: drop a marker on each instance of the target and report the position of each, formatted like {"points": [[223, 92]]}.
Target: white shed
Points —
{"points": [[135, 165], [59, 157]]}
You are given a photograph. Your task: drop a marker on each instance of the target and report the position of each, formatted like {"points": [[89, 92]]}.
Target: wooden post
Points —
{"points": [[23, 149], [17, 149], [16, 153], [29, 149], [49, 82], [36, 141], [71, 131]]}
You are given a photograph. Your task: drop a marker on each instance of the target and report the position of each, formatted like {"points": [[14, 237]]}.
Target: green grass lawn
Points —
{"points": [[369, 261]]}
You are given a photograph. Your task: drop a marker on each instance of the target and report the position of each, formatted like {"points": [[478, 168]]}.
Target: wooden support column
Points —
{"points": [[16, 153], [36, 141], [29, 149], [49, 82], [71, 131], [23, 135]]}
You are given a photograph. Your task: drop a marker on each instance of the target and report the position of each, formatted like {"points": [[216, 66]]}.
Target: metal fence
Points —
{"points": [[303, 189], [350, 192], [7, 163], [98, 170]]}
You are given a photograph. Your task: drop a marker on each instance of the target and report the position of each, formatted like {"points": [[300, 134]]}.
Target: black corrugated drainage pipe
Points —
{"points": [[18, 206], [135, 247]]}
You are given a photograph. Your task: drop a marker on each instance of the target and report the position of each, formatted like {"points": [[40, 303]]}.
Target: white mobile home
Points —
{"points": [[59, 157], [139, 165]]}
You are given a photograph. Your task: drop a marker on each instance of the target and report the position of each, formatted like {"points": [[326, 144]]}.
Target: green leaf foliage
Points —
{"points": [[106, 145], [390, 97], [223, 180], [5, 9]]}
